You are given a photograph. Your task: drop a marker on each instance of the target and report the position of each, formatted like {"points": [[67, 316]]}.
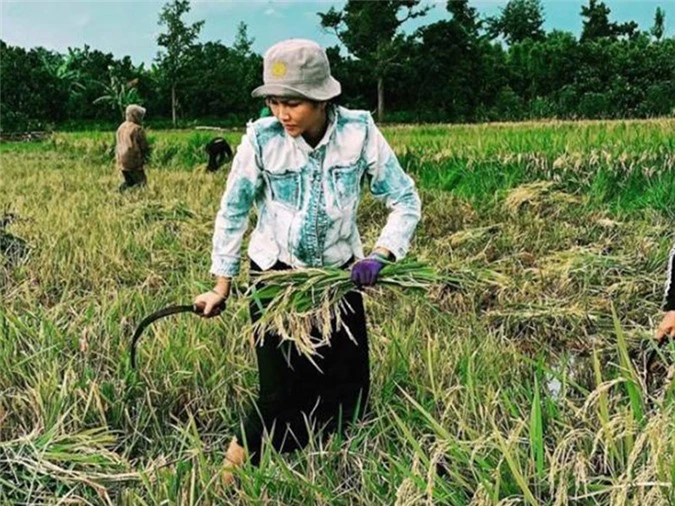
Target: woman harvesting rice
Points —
{"points": [[303, 169]]}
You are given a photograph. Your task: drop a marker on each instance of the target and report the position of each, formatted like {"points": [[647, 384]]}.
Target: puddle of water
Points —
{"points": [[568, 368]]}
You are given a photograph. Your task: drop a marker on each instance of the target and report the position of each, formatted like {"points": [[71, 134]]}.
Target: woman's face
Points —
{"points": [[298, 116]]}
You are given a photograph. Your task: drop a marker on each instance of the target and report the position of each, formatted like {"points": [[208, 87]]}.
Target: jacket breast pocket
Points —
{"points": [[346, 184], [285, 188]]}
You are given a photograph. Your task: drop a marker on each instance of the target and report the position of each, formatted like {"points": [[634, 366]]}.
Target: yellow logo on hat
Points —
{"points": [[278, 69]]}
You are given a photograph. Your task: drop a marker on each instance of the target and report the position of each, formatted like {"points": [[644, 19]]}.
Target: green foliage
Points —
{"points": [[118, 94], [658, 28], [32, 96], [597, 25], [370, 31], [178, 39], [447, 71], [518, 21], [177, 42]]}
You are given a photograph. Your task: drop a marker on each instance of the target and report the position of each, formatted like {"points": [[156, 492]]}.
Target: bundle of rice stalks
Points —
{"points": [[472, 235], [304, 306], [586, 260], [538, 195]]}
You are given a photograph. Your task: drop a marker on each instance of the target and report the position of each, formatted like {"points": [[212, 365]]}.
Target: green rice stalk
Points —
{"points": [[303, 306]]}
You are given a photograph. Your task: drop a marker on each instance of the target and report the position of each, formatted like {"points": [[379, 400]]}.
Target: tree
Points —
{"points": [[178, 40], [369, 31], [247, 67], [93, 68], [597, 24], [446, 75], [629, 29], [62, 68], [464, 16], [355, 78], [218, 80], [659, 24], [519, 20], [32, 97], [243, 44]]}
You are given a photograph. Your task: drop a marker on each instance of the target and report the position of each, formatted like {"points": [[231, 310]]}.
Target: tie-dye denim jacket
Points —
{"points": [[307, 198]]}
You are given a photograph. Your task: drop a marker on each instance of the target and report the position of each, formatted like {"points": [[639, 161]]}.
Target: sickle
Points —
{"points": [[156, 316]]}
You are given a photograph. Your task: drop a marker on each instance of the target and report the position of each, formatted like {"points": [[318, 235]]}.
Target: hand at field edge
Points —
{"points": [[667, 326]]}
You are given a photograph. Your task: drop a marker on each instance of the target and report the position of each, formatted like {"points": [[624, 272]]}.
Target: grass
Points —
{"points": [[556, 236]]}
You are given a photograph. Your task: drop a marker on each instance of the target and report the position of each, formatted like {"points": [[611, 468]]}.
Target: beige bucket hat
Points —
{"points": [[134, 113], [297, 68]]}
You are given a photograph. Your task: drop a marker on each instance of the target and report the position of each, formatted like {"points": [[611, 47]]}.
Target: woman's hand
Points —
{"points": [[212, 303], [366, 271], [667, 326]]}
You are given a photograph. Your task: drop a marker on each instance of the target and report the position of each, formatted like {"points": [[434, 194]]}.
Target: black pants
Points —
{"points": [[295, 397], [133, 178]]}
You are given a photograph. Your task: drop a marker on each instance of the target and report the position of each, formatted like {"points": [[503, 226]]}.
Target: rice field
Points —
{"points": [[521, 381]]}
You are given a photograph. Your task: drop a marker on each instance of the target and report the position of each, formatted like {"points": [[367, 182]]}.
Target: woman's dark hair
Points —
{"points": [[329, 103]]}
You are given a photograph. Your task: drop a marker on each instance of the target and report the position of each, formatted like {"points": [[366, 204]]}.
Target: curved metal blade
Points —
{"points": [[154, 317]]}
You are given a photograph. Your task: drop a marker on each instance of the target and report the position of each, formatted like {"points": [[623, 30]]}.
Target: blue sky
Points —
{"points": [[129, 27]]}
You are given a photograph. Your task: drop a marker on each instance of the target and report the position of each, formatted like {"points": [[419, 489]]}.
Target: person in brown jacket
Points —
{"points": [[132, 149]]}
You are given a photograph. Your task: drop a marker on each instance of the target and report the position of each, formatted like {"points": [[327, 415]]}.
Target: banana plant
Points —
{"points": [[118, 94]]}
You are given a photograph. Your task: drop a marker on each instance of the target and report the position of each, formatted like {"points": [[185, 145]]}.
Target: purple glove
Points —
{"points": [[365, 272]]}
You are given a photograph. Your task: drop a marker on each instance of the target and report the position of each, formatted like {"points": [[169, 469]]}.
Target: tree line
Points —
{"points": [[463, 68]]}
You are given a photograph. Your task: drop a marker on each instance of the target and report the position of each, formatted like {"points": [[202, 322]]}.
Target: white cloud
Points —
{"points": [[82, 21], [275, 12]]}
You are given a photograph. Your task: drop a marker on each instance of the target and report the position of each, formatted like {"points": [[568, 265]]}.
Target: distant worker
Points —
{"points": [[218, 150], [132, 151]]}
